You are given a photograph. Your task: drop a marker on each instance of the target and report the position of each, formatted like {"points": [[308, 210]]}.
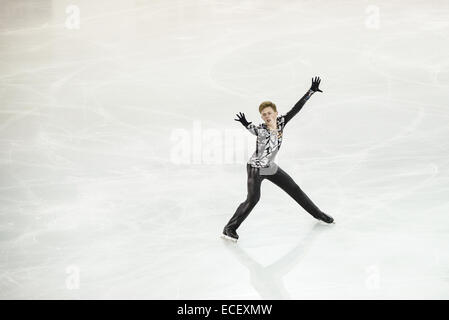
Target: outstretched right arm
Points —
{"points": [[248, 125]]}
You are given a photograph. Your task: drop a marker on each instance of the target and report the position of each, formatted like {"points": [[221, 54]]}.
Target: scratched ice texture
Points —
{"points": [[120, 161]]}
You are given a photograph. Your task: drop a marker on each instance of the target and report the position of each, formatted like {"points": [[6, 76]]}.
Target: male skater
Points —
{"points": [[261, 164]]}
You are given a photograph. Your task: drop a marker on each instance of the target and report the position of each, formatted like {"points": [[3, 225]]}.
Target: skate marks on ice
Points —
{"points": [[268, 280]]}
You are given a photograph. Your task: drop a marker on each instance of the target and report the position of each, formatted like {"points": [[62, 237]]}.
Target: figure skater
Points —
{"points": [[261, 165]]}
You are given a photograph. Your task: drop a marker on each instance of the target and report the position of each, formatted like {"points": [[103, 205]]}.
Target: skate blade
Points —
{"points": [[228, 238], [324, 222]]}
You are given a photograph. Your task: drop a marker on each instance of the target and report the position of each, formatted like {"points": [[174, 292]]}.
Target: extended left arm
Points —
{"points": [[298, 106]]}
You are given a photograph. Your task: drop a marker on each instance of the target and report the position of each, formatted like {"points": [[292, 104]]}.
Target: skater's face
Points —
{"points": [[269, 116]]}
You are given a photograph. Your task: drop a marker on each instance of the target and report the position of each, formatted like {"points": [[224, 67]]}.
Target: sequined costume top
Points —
{"points": [[268, 141]]}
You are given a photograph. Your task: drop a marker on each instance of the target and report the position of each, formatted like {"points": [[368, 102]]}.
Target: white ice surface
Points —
{"points": [[93, 204]]}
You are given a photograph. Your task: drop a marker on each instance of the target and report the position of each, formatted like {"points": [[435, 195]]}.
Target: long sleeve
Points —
{"points": [[289, 115], [252, 128]]}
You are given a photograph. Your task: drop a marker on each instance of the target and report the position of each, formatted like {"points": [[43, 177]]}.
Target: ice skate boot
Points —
{"points": [[230, 234], [324, 217]]}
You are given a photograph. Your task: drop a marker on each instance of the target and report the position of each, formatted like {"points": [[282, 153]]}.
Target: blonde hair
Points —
{"points": [[266, 104]]}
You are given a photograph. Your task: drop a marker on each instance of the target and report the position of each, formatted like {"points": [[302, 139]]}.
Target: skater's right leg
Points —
{"points": [[244, 209]]}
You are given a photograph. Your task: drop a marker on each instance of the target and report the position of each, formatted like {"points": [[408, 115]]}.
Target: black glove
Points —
{"points": [[315, 83], [242, 120]]}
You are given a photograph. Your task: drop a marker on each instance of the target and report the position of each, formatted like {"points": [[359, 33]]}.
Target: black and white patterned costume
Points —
{"points": [[261, 166], [268, 142]]}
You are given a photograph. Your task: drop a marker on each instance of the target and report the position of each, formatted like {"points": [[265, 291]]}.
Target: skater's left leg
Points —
{"points": [[286, 183]]}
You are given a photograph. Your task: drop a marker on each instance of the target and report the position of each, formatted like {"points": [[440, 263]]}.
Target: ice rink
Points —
{"points": [[120, 161]]}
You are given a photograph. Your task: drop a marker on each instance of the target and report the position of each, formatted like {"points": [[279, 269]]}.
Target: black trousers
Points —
{"points": [[282, 180]]}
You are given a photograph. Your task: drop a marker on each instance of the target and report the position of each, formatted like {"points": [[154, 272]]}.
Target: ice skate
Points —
{"points": [[325, 218], [230, 234]]}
